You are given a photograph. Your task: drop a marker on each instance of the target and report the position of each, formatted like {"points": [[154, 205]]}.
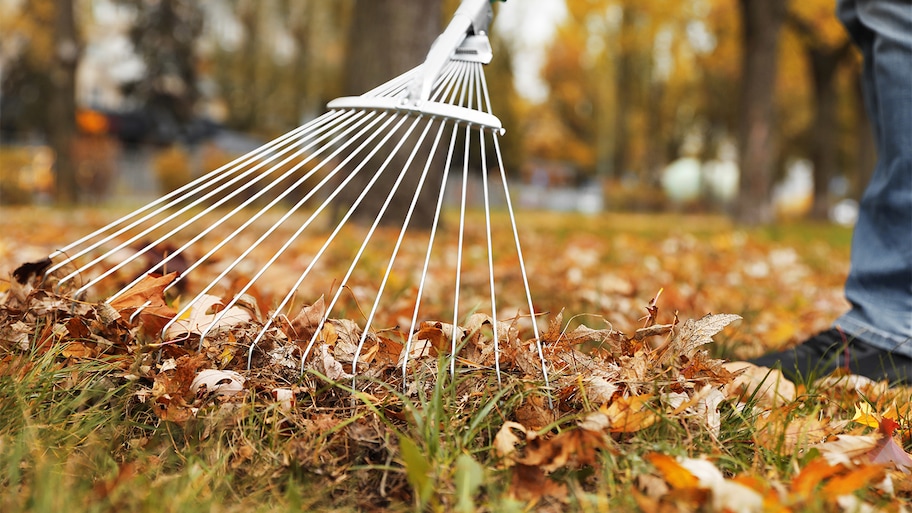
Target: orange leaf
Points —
{"points": [[151, 288], [853, 480], [812, 475], [677, 476]]}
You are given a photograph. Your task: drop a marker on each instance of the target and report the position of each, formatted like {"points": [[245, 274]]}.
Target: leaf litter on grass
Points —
{"points": [[614, 396]]}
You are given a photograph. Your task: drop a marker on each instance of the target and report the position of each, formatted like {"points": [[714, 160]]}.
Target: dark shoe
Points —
{"points": [[832, 349]]}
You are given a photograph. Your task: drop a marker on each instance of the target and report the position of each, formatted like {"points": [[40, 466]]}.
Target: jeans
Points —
{"points": [[879, 285]]}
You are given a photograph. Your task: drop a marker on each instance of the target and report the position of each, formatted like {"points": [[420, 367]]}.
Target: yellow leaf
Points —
{"points": [[864, 414], [629, 414]]}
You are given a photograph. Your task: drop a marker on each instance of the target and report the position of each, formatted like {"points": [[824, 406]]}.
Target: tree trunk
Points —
{"points": [[61, 111], [387, 38], [824, 64], [761, 23]]}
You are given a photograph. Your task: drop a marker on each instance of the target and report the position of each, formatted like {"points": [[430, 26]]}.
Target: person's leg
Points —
{"points": [[873, 338], [879, 285]]}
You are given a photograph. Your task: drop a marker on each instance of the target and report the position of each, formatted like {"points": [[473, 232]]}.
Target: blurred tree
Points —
{"points": [[827, 49], [39, 84], [387, 38], [280, 65], [164, 34], [761, 22], [626, 90]]}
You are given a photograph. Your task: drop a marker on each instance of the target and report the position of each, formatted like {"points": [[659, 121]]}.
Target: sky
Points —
{"points": [[530, 24]]}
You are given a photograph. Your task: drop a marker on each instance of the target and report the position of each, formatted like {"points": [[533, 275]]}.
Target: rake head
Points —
{"points": [[268, 223]]}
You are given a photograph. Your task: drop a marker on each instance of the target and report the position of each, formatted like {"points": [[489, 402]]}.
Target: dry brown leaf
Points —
{"points": [[600, 390], [605, 338], [697, 333], [768, 386], [154, 315], [304, 325], [77, 350], [535, 412], [776, 428], [530, 483]]}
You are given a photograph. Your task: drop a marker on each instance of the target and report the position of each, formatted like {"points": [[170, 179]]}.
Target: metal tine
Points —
{"points": [[187, 222], [373, 227], [388, 134], [396, 86], [461, 237], [370, 233], [178, 193], [442, 92], [291, 292], [392, 87], [522, 265], [399, 240], [252, 218], [326, 202], [176, 214], [431, 238], [262, 270], [479, 77], [289, 212], [445, 76]]}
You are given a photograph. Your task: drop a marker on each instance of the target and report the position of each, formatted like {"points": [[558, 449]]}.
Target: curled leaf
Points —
{"points": [[223, 382]]}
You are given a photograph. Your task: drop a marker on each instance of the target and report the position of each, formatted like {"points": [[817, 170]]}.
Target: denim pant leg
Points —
{"points": [[879, 286]]}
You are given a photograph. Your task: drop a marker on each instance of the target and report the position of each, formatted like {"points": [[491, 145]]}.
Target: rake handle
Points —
{"points": [[471, 17]]}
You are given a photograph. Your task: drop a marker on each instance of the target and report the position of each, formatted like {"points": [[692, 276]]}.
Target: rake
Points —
{"points": [[283, 186]]}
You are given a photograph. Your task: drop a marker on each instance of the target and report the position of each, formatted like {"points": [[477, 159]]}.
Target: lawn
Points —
{"points": [[637, 316]]}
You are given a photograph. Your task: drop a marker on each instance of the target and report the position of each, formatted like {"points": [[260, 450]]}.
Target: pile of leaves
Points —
{"points": [[411, 422]]}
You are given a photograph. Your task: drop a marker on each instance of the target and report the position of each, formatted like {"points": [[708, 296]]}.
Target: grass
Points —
{"points": [[76, 438]]}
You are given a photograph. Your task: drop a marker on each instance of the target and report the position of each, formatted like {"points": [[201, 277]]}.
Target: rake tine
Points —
{"points": [[172, 199], [276, 225], [250, 220], [399, 239], [370, 232]]}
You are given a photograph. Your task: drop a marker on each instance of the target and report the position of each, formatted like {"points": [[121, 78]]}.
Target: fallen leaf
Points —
{"points": [[529, 483], [215, 381], [853, 480], [201, 321], [505, 441], [768, 387], [846, 448], [308, 320], [629, 414], [148, 295], [674, 474], [887, 451], [696, 333], [727, 495], [864, 414], [812, 476]]}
